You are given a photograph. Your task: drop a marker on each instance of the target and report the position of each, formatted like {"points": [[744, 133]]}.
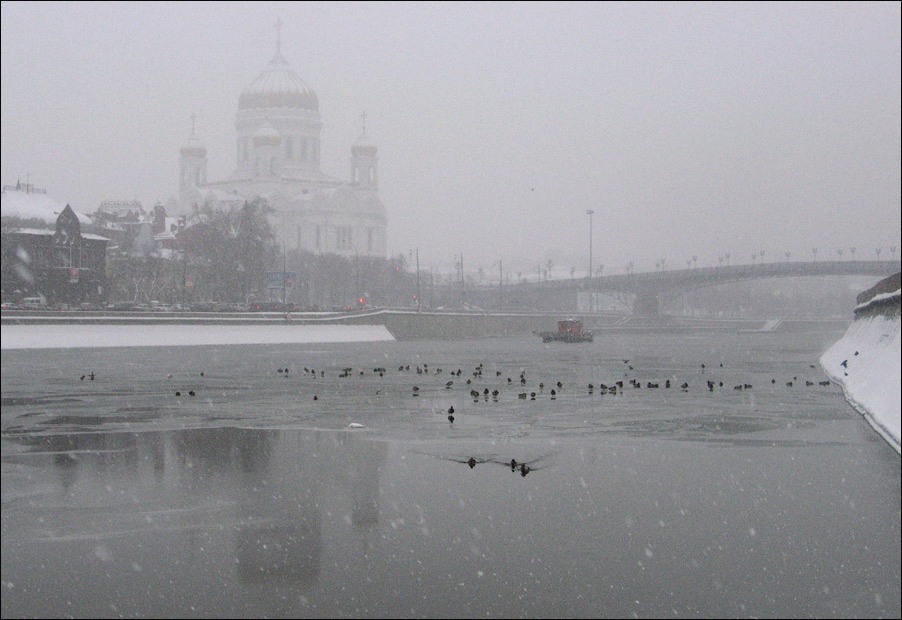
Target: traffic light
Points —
{"points": [[361, 300]]}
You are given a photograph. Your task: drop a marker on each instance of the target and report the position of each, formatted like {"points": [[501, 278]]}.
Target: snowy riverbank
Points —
{"points": [[866, 363], [75, 336]]}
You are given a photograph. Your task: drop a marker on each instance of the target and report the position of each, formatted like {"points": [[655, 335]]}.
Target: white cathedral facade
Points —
{"points": [[278, 158]]}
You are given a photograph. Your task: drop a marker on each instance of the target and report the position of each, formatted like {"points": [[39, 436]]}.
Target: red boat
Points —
{"points": [[568, 330]]}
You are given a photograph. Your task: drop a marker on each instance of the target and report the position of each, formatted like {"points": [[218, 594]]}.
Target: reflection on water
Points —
{"points": [[193, 491]]}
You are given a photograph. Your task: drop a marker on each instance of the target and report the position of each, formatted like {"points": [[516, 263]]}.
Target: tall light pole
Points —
{"points": [[590, 213], [356, 273], [500, 286]]}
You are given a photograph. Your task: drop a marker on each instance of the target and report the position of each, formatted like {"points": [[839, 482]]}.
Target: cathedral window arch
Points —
{"points": [[289, 148], [303, 153]]}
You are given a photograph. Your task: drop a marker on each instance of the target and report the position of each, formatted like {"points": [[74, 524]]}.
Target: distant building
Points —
{"points": [[134, 231], [278, 158], [64, 266]]}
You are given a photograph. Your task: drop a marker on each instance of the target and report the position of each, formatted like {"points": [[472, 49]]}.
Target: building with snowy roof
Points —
{"points": [[49, 250], [278, 158]]}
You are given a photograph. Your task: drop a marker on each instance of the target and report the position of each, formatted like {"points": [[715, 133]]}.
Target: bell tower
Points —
{"points": [[364, 162], [192, 165]]}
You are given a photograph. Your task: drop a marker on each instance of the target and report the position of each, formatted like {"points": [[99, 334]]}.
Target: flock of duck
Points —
{"points": [[554, 389], [523, 393]]}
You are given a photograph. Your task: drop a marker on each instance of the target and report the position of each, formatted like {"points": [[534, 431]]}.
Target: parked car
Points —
{"points": [[269, 306], [121, 306], [34, 303]]}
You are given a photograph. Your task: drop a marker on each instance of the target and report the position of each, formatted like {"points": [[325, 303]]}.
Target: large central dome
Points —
{"points": [[278, 86]]}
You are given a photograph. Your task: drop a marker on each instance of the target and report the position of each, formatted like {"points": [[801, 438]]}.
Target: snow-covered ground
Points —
{"points": [[75, 336], [866, 363]]}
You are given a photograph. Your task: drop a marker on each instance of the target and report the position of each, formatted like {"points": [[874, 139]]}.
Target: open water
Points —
{"points": [[253, 497]]}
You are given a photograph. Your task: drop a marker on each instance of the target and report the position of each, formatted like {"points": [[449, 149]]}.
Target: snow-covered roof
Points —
{"points": [[34, 231], [46, 232], [34, 206]]}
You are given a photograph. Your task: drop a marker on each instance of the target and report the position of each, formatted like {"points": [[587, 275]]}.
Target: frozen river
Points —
{"points": [[253, 497]]}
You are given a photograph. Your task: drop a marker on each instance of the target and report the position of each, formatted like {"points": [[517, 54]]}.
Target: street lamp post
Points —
{"points": [[284, 274], [590, 213], [500, 286], [356, 272]]}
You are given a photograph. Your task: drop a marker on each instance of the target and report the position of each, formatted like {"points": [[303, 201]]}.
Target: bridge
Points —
{"points": [[649, 288]]}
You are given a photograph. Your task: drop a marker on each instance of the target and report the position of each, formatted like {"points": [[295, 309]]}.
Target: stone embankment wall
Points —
{"points": [[865, 362], [882, 299]]}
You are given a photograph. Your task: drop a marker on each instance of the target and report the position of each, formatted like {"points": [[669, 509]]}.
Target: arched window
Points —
{"points": [[289, 148], [356, 174], [257, 167], [272, 166], [372, 174], [303, 149], [244, 149]]}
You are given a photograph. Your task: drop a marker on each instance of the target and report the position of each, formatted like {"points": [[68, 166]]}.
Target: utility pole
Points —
{"points": [[463, 292], [284, 275], [418, 279], [500, 287], [590, 213]]}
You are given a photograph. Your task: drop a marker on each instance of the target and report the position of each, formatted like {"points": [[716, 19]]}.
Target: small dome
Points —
{"points": [[363, 145], [193, 148], [363, 141], [278, 86], [267, 134]]}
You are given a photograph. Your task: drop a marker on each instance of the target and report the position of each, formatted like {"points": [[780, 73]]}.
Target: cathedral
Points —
{"points": [[278, 158]]}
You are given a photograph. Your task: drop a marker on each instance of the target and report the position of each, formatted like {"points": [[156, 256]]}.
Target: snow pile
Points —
{"points": [[866, 363], [80, 336]]}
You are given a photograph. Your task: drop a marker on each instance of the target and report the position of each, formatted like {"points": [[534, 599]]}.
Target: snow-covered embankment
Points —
{"points": [[866, 360]]}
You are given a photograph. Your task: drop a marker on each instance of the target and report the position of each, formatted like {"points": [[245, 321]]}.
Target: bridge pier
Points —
{"points": [[646, 304]]}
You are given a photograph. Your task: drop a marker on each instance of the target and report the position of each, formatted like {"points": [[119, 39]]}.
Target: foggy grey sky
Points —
{"points": [[688, 128]]}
